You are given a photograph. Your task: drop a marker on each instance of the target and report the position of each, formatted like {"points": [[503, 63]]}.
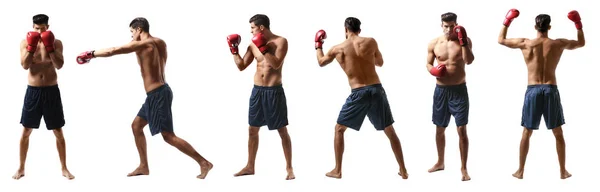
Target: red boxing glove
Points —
{"points": [[461, 34], [85, 57], [438, 71], [261, 42], [574, 16], [48, 40], [512, 14], [33, 38], [234, 41], [319, 39]]}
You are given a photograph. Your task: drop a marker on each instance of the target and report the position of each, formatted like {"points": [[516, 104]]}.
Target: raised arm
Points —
{"points": [[26, 56], [276, 58], [430, 54], [513, 43], [323, 59], [465, 43], [378, 56], [571, 44], [243, 63], [130, 47]]}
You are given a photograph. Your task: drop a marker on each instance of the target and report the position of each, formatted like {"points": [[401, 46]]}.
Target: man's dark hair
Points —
{"points": [[352, 24], [542, 23], [40, 19], [141, 23], [449, 17], [261, 19]]}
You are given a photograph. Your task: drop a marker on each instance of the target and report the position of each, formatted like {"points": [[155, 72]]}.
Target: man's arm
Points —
{"points": [[513, 43], [378, 56], [26, 57], [326, 59], [57, 56], [430, 54], [127, 48], [572, 44], [243, 63], [467, 52], [276, 59]]}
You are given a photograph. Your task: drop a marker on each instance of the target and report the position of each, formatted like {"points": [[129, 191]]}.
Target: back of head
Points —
{"points": [[449, 17], [140, 23], [542, 23], [40, 19], [261, 19], [352, 24]]}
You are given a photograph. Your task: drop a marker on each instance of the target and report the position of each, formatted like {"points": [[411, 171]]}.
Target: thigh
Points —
{"points": [[159, 115], [53, 109], [354, 111], [458, 105], [31, 113], [380, 112], [440, 112], [276, 109], [256, 116], [553, 111], [533, 106]]}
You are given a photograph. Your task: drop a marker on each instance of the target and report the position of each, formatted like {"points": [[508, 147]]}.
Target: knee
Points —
{"points": [[558, 132], [253, 132], [340, 129], [137, 126], [58, 134], [26, 133], [462, 131], [168, 136], [283, 132]]}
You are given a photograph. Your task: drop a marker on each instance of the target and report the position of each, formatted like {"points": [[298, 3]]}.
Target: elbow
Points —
{"points": [[501, 41], [581, 43]]}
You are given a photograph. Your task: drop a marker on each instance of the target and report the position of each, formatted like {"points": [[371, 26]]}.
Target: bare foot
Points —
{"points": [[436, 167], [245, 171], [403, 174], [67, 174], [204, 169], [519, 174], [290, 174], [565, 174], [19, 174], [334, 174], [141, 170], [465, 175]]}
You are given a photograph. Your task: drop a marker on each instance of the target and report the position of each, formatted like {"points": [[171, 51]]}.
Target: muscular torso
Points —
{"points": [[450, 53], [542, 56], [41, 72], [357, 58], [265, 74], [152, 60]]}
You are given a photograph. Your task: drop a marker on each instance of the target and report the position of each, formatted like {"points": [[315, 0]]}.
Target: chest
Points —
{"points": [[41, 54], [447, 49]]}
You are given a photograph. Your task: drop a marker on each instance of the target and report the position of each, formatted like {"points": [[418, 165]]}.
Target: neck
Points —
{"points": [[267, 33], [542, 35], [145, 36], [351, 35]]}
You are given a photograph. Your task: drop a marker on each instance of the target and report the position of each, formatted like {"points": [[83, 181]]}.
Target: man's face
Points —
{"points": [[135, 34], [255, 29], [448, 27], [40, 28]]}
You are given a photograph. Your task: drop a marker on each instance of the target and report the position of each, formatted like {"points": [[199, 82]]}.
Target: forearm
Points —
{"points": [[274, 61], [57, 60], [239, 62], [467, 55], [580, 37], [27, 60], [320, 57], [429, 66], [107, 52], [502, 35]]}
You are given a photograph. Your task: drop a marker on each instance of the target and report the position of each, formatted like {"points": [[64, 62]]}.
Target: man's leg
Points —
{"points": [[55, 120], [463, 145], [286, 142], [62, 153], [397, 149], [338, 146], [440, 118], [561, 151], [137, 127], [252, 151], [459, 108], [23, 148], [523, 150], [440, 143], [554, 118], [186, 148]]}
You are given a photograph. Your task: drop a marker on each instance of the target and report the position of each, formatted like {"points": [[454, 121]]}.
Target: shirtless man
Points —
{"points": [[358, 57], [542, 97], [42, 55], [268, 104], [451, 98], [156, 112]]}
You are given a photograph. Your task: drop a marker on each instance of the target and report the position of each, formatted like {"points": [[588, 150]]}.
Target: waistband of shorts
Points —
{"points": [[42, 87], [162, 87], [542, 85], [268, 87], [451, 86], [377, 85]]}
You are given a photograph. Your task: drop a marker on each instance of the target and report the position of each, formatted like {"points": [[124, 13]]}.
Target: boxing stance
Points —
{"points": [[268, 105], [156, 112], [42, 55], [452, 51], [358, 57], [542, 97]]}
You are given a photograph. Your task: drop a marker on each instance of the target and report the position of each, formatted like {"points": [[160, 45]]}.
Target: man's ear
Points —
{"points": [[261, 27], [549, 27]]}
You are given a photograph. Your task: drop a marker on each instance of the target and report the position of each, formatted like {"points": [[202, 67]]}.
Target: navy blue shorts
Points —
{"points": [[156, 110], [368, 101], [542, 100], [450, 100], [268, 106], [46, 102]]}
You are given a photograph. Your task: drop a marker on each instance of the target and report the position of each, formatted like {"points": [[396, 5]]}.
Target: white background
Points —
{"points": [[102, 98]]}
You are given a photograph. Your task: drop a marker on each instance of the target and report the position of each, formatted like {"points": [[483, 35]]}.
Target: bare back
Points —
{"points": [[449, 53], [542, 56], [266, 74], [41, 71], [152, 60], [357, 56]]}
